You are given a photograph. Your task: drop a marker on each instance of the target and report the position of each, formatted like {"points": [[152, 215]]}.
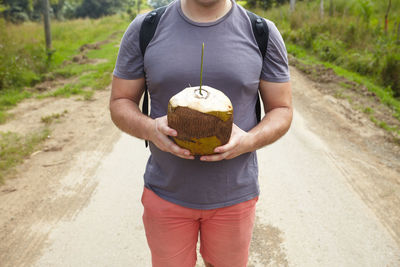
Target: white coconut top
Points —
{"points": [[210, 100]]}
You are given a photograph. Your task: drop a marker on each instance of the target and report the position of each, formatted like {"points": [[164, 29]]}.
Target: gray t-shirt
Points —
{"points": [[232, 64]]}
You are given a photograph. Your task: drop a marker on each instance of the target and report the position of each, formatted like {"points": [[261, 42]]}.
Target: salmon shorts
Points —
{"points": [[172, 232]]}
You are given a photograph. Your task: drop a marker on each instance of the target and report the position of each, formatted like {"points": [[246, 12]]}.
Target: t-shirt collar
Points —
{"points": [[204, 24]]}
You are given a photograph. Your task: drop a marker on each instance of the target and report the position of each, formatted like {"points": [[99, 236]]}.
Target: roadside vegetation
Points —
{"points": [[348, 37], [352, 35], [14, 148], [24, 63], [53, 117], [84, 55]]}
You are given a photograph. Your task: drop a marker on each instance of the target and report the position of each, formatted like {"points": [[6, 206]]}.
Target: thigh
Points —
{"points": [[226, 235], [171, 232]]}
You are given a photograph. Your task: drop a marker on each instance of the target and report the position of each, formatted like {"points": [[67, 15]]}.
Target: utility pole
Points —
{"points": [[47, 30], [292, 4], [321, 9]]}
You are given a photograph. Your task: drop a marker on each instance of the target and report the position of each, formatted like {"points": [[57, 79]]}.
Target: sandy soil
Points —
{"points": [[56, 182], [32, 195], [365, 154]]}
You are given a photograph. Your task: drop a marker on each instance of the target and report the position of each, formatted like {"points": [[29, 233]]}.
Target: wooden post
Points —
{"points": [[47, 30]]}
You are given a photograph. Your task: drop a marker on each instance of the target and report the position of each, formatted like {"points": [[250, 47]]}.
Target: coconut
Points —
{"points": [[203, 119]]}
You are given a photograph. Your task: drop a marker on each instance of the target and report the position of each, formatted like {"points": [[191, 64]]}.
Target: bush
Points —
{"points": [[362, 63], [353, 37], [95, 8], [69, 10], [391, 73], [365, 9], [22, 58], [304, 37], [296, 21], [326, 48], [350, 34], [132, 14]]}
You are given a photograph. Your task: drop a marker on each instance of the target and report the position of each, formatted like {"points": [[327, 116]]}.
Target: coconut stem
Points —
{"points": [[201, 68]]}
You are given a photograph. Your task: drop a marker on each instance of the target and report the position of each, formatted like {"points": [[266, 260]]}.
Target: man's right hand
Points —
{"points": [[160, 138]]}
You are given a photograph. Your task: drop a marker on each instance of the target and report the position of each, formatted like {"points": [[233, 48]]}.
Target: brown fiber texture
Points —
{"points": [[191, 124]]}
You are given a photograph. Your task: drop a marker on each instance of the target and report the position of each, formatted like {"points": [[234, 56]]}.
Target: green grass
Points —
{"points": [[68, 37], [352, 38], [383, 93], [91, 76], [12, 97], [384, 125], [27, 45], [9, 99], [368, 110], [53, 117], [15, 148], [242, 3]]}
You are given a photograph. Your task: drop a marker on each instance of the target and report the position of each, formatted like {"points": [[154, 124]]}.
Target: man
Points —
{"points": [[213, 195]]}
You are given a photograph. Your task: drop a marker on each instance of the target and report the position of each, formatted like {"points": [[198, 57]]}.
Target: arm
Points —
{"points": [[126, 115], [277, 99]]}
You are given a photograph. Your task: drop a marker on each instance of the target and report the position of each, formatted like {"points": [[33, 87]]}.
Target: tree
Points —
{"points": [[17, 10], [265, 4], [281, 2], [57, 8], [23, 10], [158, 3], [366, 10], [69, 9], [292, 5], [98, 8]]}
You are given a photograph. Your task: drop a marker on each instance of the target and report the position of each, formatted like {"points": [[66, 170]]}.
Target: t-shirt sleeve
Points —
{"points": [[129, 63], [275, 66]]}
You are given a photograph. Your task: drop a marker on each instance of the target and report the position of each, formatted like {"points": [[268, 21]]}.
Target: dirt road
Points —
{"points": [[330, 191]]}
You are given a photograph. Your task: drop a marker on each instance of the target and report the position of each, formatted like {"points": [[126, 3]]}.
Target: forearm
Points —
{"points": [[272, 127], [127, 116]]}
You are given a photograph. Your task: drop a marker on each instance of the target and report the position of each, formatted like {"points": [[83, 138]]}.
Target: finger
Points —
{"points": [[170, 131], [184, 156], [232, 155], [163, 128], [228, 146], [178, 151], [215, 157]]}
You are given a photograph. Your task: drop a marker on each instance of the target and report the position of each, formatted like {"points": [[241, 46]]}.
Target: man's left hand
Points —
{"points": [[238, 144]]}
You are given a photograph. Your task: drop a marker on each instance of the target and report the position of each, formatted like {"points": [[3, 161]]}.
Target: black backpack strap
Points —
{"points": [[147, 30], [149, 26], [260, 30], [261, 33]]}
